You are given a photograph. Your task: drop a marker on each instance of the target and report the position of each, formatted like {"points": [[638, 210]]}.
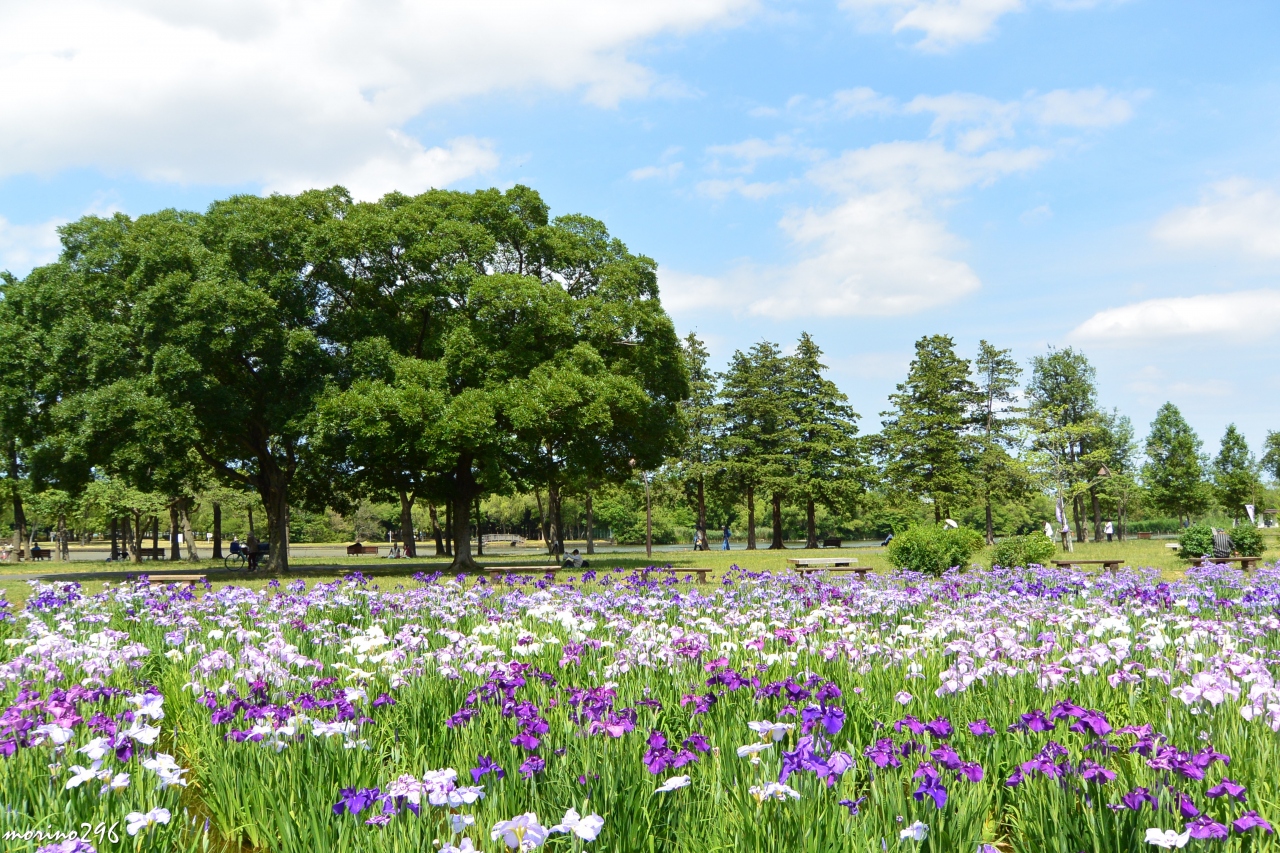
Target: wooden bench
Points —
{"points": [[41, 554], [187, 579], [702, 574], [554, 570], [362, 550], [152, 553], [1109, 565], [832, 542], [1246, 563], [817, 562], [1144, 535]]}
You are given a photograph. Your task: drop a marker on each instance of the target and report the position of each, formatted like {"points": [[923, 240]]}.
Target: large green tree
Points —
{"points": [[1174, 473], [702, 419], [826, 459], [1000, 474], [758, 439], [1235, 473], [1065, 423], [925, 437]]}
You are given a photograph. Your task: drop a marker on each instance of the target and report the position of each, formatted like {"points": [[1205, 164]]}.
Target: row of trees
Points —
{"points": [[316, 351], [308, 353]]}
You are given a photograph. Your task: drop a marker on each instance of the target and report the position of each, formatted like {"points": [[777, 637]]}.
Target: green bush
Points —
{"points": [[1196, 541], [1023, 551], [933, 549], [1247, 540]]}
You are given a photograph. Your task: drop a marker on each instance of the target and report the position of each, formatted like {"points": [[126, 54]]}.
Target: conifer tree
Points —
{"points": [[1235, 473], [1175, 470]]}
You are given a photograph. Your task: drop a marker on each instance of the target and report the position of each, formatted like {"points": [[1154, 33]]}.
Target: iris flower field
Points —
{"points": [[1009, 710]]}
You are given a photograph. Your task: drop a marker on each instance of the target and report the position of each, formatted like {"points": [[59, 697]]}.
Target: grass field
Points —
{"points": [[1137, 553]]}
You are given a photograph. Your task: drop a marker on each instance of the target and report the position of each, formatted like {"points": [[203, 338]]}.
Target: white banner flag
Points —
{"points": [[1249, 509]]}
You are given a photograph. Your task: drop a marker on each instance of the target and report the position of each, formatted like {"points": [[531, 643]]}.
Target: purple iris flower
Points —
{"points": [[354, 801], [1036, 721], [1014, 780], [939, 728], [486, 765], [1134, 800], [1187, 807], [852, 805], [1091, 771], [981, 728], [909, 722], [697, 742], [1065, 709], [531, 766], [930, 786], [972, 771], [1205, 758], [525, 740], [1250, 820], [1091, 721], [882, 754], [1228, 788], [838, 763], [1204, 827], [947, 757]]}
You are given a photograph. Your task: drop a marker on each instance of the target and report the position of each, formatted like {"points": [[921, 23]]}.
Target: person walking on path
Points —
{"points": [[725, 546], [1108, 529]]}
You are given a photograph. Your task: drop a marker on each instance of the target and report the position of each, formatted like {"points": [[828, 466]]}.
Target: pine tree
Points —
{"points": [[756, 435], [702, 417], [1235, 473], [1175, 470], [825, 458], [925, 440], [1065, 421], [1000, 474]]}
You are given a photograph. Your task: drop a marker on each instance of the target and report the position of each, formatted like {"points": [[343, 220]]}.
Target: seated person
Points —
{"points": [[1222, 544], [886, 541], [575, 561], [35, 550]]}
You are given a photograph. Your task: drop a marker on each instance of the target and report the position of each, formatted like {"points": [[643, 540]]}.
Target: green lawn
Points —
{"points": [[1153, 553]]}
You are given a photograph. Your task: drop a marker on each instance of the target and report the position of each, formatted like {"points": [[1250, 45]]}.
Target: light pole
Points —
{"points": [[648, 513]]}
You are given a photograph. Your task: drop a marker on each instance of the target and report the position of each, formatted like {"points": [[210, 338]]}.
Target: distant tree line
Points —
{"points": [[468, 362]]}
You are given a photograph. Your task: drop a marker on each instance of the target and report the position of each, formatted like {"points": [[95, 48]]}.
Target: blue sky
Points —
{"points": [[1094, 173]]}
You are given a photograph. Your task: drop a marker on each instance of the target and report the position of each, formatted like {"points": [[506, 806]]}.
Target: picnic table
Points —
{"points": [[1246, 563], [809, 565], [1109, 565]]}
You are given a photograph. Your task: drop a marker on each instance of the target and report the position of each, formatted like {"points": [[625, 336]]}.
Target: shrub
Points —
{"points": [[1034, 548], [933, 549], [1196, 541], [1247, 540]]}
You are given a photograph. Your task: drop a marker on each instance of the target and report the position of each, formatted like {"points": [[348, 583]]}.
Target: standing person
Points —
{"points": [[725, 546], [1048, 530], [1108, 529], [251, 551]]}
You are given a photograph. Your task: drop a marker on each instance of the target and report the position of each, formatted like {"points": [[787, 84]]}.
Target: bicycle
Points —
{"points": [[236, 562]]}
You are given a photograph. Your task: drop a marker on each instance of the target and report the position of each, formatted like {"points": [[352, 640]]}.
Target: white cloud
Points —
{"points": [[1036, 215], [667, 172], [947, 24], [25, 246], [1215, 318], [747, 189], [744, 156], [1234, 215], [296, 94], [1081, 108]]}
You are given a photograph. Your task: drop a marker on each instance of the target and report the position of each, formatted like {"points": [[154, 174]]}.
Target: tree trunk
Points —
{"points": [[406, 523], [553, 519], [19, 517], [115, 539], [217, 531], [1097, 514], [175, 553], [435, 529], [64, 546], [184, 517], [776, 544], [702, 513], [591, 526], [811, 526], [751, 518], [126, 542], [542, 524], [1077, 515], [155, 535], [937, 511], [479, 531], [273, 489], [448, 529], [465, 491]]}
